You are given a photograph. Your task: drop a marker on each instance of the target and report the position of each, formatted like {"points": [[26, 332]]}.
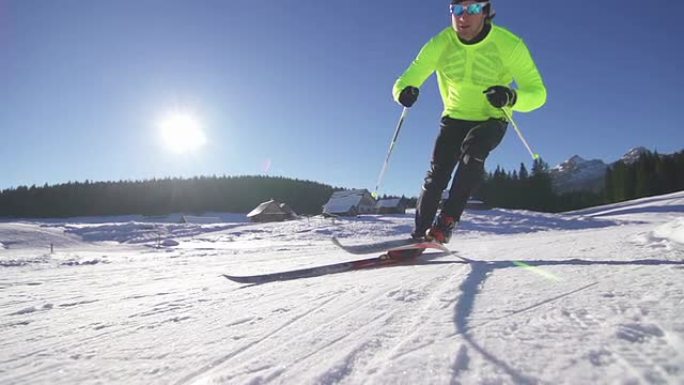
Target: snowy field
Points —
{"points": [[590, 297]]}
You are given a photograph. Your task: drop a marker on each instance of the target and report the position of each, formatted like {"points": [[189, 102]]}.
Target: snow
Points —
{"points": [[672, 231], [200, 219], [591, 296]]}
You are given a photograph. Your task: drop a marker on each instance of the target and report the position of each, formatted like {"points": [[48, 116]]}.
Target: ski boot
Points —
{"points": [[418, 236], [441, 230]]}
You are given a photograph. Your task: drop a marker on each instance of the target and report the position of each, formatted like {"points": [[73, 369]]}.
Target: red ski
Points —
{"points": [[393, 256]]}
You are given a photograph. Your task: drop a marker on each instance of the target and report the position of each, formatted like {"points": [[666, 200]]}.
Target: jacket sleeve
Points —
{"points": [[531, 90], [421, 68]]}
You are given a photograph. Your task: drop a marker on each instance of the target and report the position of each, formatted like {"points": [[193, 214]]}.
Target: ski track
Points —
{"points": [[640, 347], [599, 304], [331, 335], [625, 344]]}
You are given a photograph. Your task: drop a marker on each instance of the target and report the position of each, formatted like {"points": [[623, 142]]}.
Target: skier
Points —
{"points": [[476, 61]]}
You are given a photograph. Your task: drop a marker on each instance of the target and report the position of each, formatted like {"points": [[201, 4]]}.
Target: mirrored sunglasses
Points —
{"points": [[471, 9]]}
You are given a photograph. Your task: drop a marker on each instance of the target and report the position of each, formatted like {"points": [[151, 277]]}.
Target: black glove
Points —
{"points": [[500, 96], [408, 96]]}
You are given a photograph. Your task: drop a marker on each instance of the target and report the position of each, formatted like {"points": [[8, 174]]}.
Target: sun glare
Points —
{"points": [[182, 133]]}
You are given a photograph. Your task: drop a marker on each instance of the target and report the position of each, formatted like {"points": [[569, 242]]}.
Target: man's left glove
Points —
{"points": [[500, 96]]}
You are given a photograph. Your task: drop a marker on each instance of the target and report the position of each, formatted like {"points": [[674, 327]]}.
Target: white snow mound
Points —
{"points": [[672, 231]]}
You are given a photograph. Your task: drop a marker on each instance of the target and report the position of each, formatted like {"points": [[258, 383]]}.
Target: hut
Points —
{"points": [[391, 206], [271, 211], [350, 203]]}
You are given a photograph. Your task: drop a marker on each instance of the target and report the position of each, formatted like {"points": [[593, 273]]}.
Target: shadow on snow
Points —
{"points": [[480, 270]]}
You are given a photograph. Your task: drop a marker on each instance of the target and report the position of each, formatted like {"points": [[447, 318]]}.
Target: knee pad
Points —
{"points": [[468, 158], [430, 184], [474, 155], [472, 165]]}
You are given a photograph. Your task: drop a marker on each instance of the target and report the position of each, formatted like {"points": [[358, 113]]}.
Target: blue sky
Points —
{"points": [[305, 86]]}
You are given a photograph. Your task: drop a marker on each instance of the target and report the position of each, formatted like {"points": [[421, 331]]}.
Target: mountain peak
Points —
{"points": [[633, 155], [578, 173], [573, 163], [576, 159]]}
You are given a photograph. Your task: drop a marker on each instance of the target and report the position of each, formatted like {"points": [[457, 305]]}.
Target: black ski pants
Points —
{"points": [[461, 143]]}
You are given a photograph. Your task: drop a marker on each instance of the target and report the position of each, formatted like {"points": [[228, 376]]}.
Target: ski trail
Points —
{"points": [[358, 334], [470, 288], [253, 344], [426, 324], [55, 306], [404, 331], [532, 307], [631, 347]]}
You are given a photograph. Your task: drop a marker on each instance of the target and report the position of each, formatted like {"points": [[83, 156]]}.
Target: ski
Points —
{"points": [[392, 244], [393, 256], [375, 247]]}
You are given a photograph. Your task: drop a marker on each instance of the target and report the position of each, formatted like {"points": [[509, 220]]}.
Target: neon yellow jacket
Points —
{"points": [[464, 71]]}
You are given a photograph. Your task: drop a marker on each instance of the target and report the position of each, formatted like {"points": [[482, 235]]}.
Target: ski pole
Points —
{"points": [[389, 152], [509, 117]]}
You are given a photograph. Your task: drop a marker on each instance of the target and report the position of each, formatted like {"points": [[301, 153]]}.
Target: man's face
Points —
{"points": [[468, 25]]}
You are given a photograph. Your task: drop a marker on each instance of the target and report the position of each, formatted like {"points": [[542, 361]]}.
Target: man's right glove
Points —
{"points": [[408, 96]]}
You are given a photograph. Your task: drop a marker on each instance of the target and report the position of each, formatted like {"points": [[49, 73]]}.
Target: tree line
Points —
{"points": [[651, 174], [238, 194]]}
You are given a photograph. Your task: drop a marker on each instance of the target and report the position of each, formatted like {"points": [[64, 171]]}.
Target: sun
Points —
{"points": [[182, 133]]}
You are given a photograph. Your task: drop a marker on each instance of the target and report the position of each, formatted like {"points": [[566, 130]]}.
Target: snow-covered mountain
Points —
{"points": [[633, 155], [590, 297], [579, 174]]}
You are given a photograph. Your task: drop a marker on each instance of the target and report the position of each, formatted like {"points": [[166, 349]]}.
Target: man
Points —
{"points": [[475, 61]]}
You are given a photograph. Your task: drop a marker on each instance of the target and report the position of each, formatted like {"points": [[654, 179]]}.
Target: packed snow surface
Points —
{"points": [[590, 297]]}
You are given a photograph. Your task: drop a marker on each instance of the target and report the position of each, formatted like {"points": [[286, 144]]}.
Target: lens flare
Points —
{"points": [[267, 166], [538, 271]]}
